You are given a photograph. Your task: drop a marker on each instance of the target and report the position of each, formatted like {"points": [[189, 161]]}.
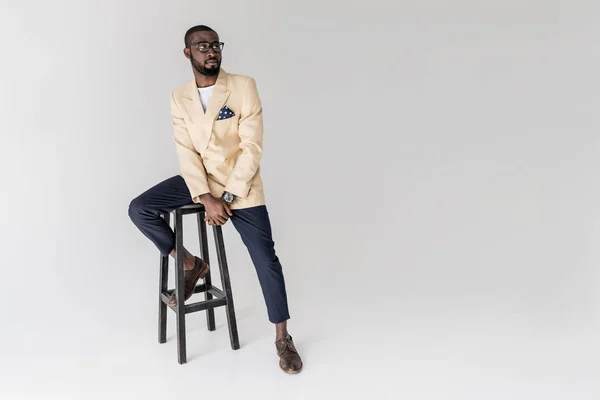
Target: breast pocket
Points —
{"points": [[227, 126]]}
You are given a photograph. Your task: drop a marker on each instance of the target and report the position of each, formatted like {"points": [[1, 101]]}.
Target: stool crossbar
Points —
{"points": [[213, 296]]}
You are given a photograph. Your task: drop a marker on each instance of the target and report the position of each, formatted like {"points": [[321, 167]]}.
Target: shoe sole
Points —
{"points": [[203, 271]]}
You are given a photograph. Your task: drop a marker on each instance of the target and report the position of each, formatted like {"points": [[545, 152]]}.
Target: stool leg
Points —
{"points": [[203, 237], [162, 287], [222, 258], [179, 288]]}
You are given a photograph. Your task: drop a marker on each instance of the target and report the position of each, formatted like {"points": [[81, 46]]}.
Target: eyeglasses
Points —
{"points": [[204, 47]]}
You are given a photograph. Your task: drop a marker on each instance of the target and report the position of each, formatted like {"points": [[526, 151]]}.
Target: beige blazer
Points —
{"points": [[220, 155]]}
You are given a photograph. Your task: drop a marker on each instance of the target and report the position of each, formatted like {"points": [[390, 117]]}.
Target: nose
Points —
{"points": [[211, 51]]}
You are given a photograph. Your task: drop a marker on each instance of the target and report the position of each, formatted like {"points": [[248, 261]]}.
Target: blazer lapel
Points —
{"points": [[193, 104], [204, 121], [219, 97]]}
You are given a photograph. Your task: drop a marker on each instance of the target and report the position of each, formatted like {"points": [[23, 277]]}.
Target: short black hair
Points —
{"points": [[197, 28]]}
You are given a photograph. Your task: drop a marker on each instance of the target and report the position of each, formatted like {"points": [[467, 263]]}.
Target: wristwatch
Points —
{"points": [[228, 197]]}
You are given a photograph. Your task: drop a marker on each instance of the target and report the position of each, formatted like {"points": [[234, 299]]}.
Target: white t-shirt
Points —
{"points": [[205, 94]]}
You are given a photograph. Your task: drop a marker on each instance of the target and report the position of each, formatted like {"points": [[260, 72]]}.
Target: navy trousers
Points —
{"points": [[252, 224]]}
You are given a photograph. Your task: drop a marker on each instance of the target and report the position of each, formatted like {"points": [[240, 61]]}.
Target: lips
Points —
{"points": [[212, 62]]}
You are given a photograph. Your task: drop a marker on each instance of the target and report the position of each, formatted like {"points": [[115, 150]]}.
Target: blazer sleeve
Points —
{"points": [[190, 162], [250, 131]]}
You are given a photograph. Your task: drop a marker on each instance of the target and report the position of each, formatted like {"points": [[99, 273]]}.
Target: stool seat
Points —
{"points": [[192, 208], [213, 296]]}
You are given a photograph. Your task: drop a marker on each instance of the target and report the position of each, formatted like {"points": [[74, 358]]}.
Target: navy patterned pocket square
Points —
{"points": [[225, 113]]}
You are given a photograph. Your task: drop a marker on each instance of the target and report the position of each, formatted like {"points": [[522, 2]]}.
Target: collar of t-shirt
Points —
{"points": [[205, 93]]}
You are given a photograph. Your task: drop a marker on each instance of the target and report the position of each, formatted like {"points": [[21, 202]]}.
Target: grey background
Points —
{"points": [[430, 170]]}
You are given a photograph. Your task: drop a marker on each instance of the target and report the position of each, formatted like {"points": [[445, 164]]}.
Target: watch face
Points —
{"points": [[228, 197]]}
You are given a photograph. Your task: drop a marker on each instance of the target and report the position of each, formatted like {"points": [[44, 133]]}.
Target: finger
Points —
{"points": [[226, 206], [224, 217], [221, 220]]}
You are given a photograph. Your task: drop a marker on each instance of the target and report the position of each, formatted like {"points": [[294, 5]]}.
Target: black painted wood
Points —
{"points": [[191, 209], [216, 292], [198, 289], [223, 268], [203, 238], [165, 299], [213, 296], [162, 287], [205, 305], [179, 288]]}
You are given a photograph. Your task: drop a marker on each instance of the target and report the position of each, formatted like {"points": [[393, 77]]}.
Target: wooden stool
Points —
{"points": [[213, 297]]}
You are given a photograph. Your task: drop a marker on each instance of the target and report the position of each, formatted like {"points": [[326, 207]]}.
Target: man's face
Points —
{"points": [[208, 62]]}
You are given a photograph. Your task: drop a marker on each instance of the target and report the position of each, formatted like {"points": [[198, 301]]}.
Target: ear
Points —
{"points": [[186, 53]]}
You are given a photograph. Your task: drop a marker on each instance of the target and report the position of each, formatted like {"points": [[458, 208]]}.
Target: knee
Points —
{"points": [[268, 258], [136, 207]]}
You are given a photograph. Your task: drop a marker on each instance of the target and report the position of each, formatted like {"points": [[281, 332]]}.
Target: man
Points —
{"points": [[218, 132]]}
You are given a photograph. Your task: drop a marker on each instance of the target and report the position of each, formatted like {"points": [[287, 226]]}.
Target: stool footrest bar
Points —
{"points": [[199, 306], [205, 305], [215, 291]]}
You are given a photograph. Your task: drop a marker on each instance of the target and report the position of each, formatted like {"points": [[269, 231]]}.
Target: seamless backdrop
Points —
{"points": [[431, 171]]}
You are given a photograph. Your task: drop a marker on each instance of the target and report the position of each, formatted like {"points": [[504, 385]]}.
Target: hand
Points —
{"points": [[217, 210]]}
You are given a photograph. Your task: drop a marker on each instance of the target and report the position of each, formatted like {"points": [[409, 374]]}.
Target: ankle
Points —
{"points": [[281, 335], [281, 331]]}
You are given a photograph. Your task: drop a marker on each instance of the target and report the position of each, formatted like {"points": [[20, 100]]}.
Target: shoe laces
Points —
{"points": [[287, 346]]}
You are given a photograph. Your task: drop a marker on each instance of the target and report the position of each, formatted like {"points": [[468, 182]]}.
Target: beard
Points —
{"points": [[212, 71]]}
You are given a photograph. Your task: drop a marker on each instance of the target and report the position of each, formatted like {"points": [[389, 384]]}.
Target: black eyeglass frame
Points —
{"points": [[218, 49]]}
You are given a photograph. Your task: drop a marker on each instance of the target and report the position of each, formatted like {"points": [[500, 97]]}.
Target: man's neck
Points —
{"points": [[203, 80]]}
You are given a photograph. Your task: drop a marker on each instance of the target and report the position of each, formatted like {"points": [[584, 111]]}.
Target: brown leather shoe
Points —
{"points": [[191, 277], [289, 359]]}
